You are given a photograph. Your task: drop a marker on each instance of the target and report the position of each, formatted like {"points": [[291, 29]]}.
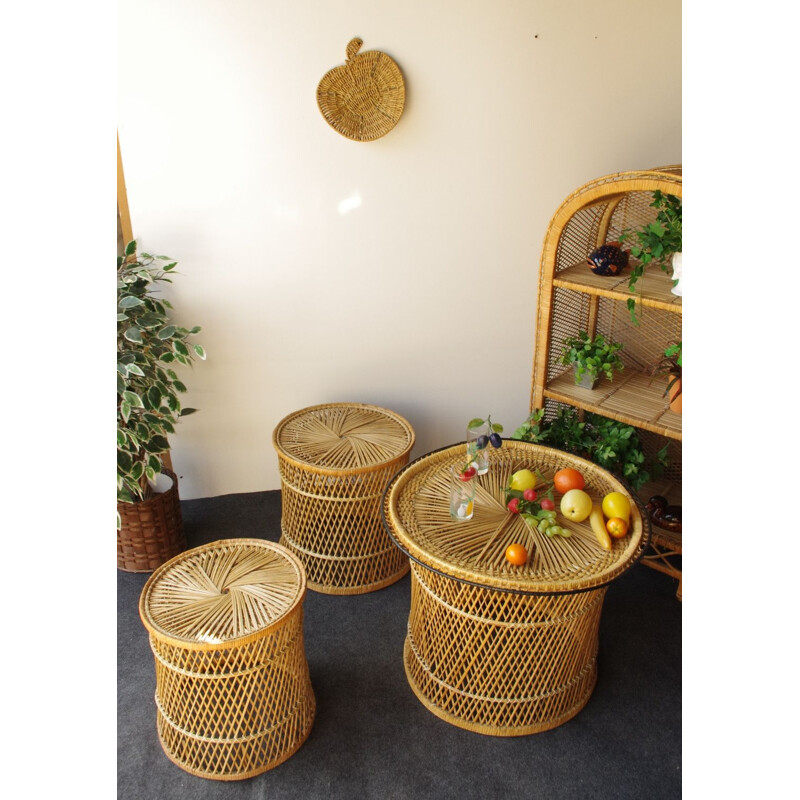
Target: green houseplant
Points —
{"points": [[613, 445], [149, 345], [657, 242], [591, 358]]}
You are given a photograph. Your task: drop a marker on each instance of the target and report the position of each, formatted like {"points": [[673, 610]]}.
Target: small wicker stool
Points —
{"points": [[233, 693], [499, 649], [335, 461]]}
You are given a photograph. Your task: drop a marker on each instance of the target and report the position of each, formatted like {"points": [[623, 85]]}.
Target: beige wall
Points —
{"points": [[422, 297]]}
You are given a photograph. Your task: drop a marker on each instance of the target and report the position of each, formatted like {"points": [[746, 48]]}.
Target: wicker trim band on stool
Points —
{"points": [[152, 530], [335, 461], [233, 693]]}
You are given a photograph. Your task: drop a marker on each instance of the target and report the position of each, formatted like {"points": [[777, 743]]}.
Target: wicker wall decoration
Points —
{"points": [[363, 98]]}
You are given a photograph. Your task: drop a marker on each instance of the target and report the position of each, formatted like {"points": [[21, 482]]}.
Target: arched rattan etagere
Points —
{"points": [[572, 298]]}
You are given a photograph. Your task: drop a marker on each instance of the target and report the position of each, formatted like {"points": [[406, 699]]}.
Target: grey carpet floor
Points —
{"points": [[372, 738]]}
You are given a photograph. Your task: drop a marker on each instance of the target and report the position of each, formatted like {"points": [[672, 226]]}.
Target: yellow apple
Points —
{"points": [[576, 505], [615, 504]]}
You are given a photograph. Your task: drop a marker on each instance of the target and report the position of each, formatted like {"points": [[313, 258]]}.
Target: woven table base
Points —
{"points": [[500, 663]]}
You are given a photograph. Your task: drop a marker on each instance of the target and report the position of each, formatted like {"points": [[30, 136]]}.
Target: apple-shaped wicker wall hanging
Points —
{"points": [[363, 98]]}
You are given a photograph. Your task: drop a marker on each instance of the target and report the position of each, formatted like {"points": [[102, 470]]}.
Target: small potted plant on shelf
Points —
{"points": [[671, 365], [657, 242], [591, 358], [149, 524]]}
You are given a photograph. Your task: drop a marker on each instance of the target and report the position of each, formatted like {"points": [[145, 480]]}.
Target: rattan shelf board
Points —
{"points": [[653, 290], [632, 398], [417, 511]]}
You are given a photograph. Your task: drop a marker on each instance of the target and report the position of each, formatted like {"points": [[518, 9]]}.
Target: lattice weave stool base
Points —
{"points": [[335, 461], [233, 693], [500, 663]]}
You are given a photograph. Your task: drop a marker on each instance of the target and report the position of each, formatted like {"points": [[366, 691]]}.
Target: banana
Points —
{"points": [[599, 527]]}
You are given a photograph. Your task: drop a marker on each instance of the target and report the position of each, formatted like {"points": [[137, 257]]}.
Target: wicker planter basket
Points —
{"points": [[152, 530]]}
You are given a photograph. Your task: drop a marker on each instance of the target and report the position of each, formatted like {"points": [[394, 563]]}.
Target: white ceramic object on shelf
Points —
{"points": [[677, 273]]}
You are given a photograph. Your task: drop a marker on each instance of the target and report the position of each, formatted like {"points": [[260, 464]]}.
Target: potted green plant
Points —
{"points": [[149, 345], [671, 365], [591, 358], [613, 445], [657, 242]]}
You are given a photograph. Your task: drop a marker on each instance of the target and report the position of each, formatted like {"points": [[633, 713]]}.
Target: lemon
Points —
{"points": [[615, 504], [523, 479]]}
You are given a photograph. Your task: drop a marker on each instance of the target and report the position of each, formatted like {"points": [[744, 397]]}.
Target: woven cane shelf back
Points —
{"points": [[572, 299], [233, 692], [335, 461], [416, 506]]}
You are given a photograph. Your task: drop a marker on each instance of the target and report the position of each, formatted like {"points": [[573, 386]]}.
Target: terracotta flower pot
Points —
{"points": [[675, 399]]}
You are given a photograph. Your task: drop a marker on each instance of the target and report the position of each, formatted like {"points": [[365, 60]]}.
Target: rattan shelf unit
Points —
{"points": [[572, 298]]}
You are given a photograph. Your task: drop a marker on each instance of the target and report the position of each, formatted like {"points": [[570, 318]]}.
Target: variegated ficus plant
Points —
{"points": [[149, 346]]}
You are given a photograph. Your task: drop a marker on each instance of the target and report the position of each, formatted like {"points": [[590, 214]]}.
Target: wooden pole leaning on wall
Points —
{"points": [[123, 212], [124, 219]]}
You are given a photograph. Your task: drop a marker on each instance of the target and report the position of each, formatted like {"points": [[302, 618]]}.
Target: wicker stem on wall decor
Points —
{"points": [[363, 98]]}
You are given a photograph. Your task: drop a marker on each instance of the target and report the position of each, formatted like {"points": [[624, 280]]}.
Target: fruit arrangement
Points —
{"points": [[609, 519]]}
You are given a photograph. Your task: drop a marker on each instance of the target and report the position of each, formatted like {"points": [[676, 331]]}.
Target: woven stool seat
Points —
{"points": [[335, 461], [494, 648], [233, 693]]}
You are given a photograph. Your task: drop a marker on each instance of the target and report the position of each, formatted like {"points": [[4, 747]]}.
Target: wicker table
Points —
{"points": [[494, 648], [335, 461], [233, 694]]}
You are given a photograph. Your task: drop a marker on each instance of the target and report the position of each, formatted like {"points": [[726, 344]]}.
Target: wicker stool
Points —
{"points": [[233, 694], [335, 461]]}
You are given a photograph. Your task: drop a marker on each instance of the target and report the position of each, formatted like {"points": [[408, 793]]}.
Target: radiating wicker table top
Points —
{"points": [[416, 514], [222, 593], [343, 437]]}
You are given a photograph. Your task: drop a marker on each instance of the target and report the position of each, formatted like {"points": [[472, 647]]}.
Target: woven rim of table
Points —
{"points": [[230, 590], [367, 421], [428, 475]]}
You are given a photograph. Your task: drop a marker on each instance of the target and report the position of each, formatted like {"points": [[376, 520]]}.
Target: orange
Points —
{"points": [[568, 478], [617, 527], [516, 554]]}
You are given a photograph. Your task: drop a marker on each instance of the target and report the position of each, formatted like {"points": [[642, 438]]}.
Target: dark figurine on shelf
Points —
{"points": [[663, 514], [610, 259]]}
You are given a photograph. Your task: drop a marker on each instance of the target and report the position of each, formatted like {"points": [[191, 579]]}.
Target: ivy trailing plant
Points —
{"points": [[592, 356], [657, 241], [612, 445], [148, 388]]}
